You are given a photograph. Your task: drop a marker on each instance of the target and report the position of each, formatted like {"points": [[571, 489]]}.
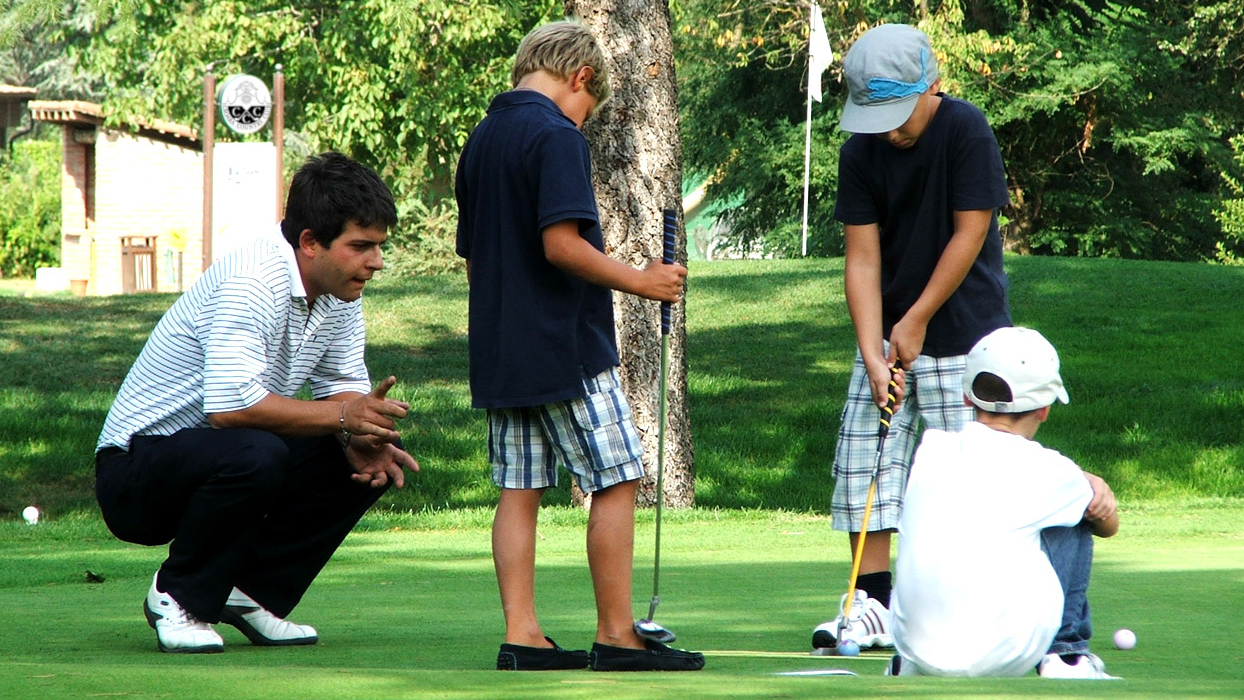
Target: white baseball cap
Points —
{"points": [[887, 70], [1022, 358]]}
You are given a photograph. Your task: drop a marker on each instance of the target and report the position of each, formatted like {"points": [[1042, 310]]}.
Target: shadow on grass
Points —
{"points": [[1148, 352], [61, 361], [769, 348], [1157, 389]]}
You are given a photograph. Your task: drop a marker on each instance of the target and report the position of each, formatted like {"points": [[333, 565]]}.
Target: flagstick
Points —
{"points": [[820, 55], [807, 142], [807, 164]]}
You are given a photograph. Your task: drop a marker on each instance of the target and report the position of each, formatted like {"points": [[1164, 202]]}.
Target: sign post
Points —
{"points": [[209, 143], [278, 137], [237, 175]]}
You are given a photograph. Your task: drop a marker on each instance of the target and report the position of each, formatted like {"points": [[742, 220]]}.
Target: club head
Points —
{"points": [[651, 630]]}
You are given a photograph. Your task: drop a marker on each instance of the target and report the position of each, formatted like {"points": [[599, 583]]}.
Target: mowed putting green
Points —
{"points": [[408, 609]]}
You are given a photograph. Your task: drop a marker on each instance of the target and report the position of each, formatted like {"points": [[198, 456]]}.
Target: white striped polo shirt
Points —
{"points": [[243, 331]]}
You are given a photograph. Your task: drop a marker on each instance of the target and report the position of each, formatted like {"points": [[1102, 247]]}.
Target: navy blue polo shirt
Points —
{"points": [[535, 331], [912, 194]]}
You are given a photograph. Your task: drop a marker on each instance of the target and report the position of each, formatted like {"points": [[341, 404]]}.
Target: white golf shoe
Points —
{"points": [[262, 627], [1088, 667], [868, 626], [177, 631]]}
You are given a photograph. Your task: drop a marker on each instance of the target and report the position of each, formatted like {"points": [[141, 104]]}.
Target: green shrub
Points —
{"points": [[29, 208], [1231, 214], [424, 240]]}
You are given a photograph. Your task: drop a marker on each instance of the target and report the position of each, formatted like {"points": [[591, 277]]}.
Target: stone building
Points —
{"points": [[131, 202]]}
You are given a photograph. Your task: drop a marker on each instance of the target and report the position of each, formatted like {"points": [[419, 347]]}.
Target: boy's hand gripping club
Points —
{"points": [[646, 628], [883, 430]]}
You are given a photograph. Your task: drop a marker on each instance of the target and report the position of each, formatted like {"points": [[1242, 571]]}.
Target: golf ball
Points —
{"points": [[1124, 639], [848, 648], [31, 514]]}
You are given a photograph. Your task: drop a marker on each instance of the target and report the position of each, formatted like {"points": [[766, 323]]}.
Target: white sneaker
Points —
{"points": [[262, 627], [869, 625], [1086, 667], [177, 631]]}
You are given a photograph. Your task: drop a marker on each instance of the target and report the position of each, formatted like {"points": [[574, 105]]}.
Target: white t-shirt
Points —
{"points": [[974, 593], [242, 332]]}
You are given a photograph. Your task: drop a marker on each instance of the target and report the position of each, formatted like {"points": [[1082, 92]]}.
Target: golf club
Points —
{"points": [[883, 430], [646, 628]]}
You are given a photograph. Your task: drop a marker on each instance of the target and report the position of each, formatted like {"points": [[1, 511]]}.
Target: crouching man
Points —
{"points": [[207, 450]]}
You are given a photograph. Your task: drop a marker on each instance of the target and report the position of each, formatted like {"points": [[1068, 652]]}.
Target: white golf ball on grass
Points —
{"points": [[31, 515], [1124, 639]]}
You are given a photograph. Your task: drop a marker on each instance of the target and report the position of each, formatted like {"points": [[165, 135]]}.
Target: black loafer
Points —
{"points": [[655, 657], [514, 657]]}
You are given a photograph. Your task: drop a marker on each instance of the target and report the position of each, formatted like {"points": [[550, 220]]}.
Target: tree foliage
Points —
{"points": [[396, 84], [1097, 105], [742, 65], [1115, 116], [1230, 213], [29, 208]]}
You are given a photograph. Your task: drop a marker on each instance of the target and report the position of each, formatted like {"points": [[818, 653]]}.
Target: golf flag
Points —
{"points": [[820, 55]]}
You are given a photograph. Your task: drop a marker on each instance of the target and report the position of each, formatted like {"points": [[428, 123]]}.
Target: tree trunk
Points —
{"points": [[1023, 213], [637, 169]]}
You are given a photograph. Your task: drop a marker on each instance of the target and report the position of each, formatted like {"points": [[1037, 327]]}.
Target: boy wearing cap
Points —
{"points": [[996, 536], [919, 185]]}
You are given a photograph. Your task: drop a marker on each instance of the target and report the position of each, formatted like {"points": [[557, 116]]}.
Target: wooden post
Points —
{"points": [[209, 143], [278, 137]]}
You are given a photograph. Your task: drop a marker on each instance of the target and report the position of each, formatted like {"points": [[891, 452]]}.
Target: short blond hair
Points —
{"points": [[562, 48]]}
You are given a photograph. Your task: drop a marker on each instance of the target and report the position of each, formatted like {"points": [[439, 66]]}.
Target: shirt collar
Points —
{"points": [[517, 97], [295, 277]]}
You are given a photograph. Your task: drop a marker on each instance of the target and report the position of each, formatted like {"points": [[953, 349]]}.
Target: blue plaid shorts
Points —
{"points": [[934, 398], [593, 437]]}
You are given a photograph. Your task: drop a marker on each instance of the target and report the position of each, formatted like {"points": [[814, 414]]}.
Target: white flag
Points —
{"points": [[820, 55]]}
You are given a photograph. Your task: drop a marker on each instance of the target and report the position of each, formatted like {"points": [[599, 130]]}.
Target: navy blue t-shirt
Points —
{"points": [[912, 194], [535, 331]]}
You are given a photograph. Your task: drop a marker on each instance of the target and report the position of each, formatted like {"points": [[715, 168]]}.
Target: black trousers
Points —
{"points": [[237, 507]]}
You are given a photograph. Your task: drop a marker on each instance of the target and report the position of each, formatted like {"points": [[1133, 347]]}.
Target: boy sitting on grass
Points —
{"points": [[996, 535]]}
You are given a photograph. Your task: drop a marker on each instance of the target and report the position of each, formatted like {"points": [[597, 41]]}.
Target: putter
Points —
{"points": [[646, 628], [883, 430]]}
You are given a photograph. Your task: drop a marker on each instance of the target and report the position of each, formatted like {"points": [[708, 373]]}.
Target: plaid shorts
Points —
{"points": [[593, 437], [934, 398]]}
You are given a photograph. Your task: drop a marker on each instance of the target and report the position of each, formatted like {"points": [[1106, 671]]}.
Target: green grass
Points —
{"points": [[25, 287], [408, 609], [16, 287], [1149, 354]]}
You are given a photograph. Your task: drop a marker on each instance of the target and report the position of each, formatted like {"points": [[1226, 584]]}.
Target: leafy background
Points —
{"points": [[1119, 120]]}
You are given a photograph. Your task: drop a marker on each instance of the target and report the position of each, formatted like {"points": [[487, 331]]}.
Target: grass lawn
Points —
{"points": [[408, 609], [1156, 384]]}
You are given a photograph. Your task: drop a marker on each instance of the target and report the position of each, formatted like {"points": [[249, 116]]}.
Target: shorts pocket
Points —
{"points": [[606, 433]]}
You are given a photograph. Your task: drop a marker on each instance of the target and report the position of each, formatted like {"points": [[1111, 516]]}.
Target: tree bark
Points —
{"points": [[637, 169]]}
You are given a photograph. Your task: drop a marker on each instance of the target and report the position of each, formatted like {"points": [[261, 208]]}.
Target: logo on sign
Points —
{"points": [[245, 103]]}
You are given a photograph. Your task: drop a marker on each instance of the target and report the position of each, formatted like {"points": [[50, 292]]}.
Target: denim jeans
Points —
{"points": [[1070, 550]]}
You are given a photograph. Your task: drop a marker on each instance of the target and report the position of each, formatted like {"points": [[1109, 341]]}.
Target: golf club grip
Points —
{"points": [[669, 232], [887, 412]]}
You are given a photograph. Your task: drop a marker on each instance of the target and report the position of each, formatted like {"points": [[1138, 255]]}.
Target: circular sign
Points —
{"points": [[245, 103]]}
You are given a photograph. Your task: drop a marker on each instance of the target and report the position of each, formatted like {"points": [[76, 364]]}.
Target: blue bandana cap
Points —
{"points": [[887, 69]]}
